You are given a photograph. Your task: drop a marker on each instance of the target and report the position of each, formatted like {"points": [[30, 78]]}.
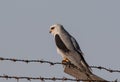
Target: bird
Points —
{"points": [[69, 49]]}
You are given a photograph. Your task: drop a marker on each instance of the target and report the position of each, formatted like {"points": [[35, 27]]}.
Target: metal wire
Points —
{"points": [[45, 78], [51, 63]]}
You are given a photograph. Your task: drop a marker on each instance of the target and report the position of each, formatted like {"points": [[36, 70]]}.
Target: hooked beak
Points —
{"points": [[50, 31]]}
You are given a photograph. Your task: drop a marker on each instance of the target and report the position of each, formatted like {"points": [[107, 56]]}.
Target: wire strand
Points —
{"points": [[48, 78], [52, 63]]}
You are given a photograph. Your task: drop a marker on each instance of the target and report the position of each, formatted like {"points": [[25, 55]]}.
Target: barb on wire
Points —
{"points": [[29, 61], [53, 63], [45, 78], [100, 67]]}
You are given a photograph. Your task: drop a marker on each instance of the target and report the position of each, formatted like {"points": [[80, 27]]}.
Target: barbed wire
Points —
{"points": [[45, 78], [52, 63], [110, 70]]}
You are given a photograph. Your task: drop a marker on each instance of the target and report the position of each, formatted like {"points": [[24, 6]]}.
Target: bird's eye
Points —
{"points": [[52, 28]]}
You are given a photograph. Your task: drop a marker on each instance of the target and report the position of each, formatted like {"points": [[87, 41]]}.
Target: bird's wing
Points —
{"points": [[75, 44], [77, 48], [60, 44]]}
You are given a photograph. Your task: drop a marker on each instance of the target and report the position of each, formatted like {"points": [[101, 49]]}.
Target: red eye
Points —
{"points": [[52, 28]]}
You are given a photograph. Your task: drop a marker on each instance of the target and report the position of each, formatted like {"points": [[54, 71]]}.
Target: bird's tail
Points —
{"points": [[95, 78]]}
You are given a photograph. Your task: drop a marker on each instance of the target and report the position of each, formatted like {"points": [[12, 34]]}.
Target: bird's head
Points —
{"points": [[55, 29]]}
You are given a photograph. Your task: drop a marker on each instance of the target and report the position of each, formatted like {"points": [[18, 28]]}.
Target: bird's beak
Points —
{"points": [[50, 31]]}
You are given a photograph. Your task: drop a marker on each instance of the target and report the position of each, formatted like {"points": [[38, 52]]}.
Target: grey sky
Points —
{"points": [[24, 27]]}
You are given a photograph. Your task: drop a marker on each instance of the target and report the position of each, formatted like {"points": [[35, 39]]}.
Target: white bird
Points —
{"points": [[69, 49]]}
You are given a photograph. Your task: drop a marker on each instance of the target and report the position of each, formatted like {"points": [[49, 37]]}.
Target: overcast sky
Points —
{"points": [[24, 34]]}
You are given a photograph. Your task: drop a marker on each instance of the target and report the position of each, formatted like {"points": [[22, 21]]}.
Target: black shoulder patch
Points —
{"points": [[60, 43]]}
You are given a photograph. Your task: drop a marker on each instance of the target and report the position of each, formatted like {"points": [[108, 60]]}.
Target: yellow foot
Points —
{"points": [[65, 60]]}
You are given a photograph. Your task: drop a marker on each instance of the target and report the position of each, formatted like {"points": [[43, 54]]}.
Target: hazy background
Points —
{"points": [[24, 34]]}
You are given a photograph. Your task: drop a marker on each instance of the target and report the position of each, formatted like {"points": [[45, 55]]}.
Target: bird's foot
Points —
{"points": [[65, 61]]}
